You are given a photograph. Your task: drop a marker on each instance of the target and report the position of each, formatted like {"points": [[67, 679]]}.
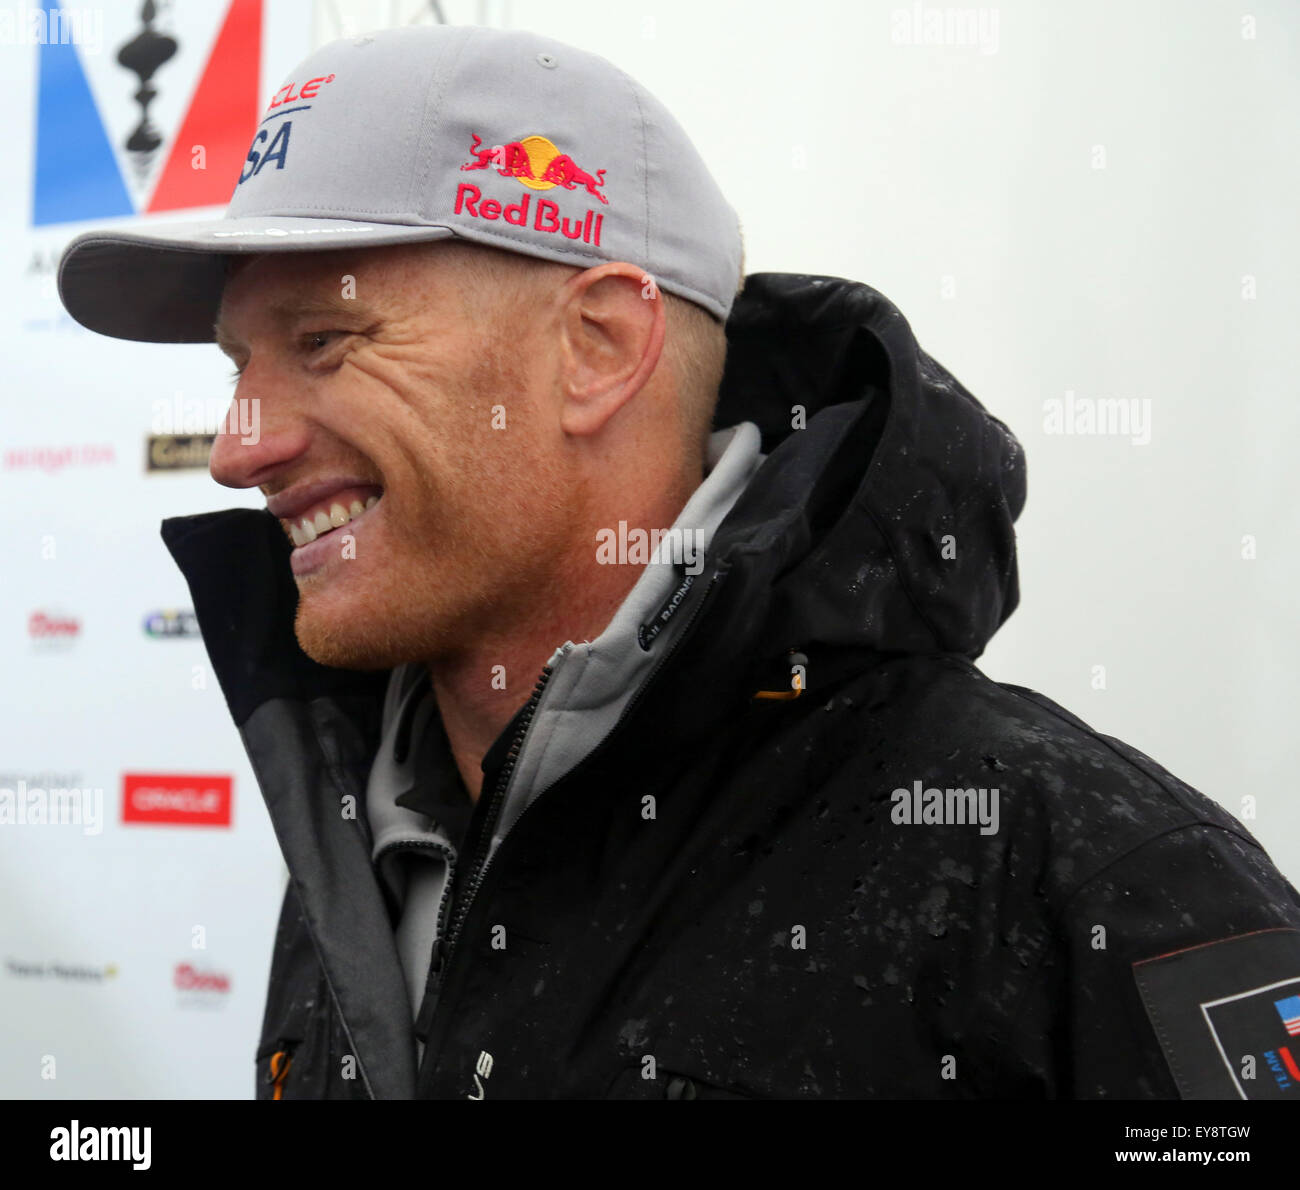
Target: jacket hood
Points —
{"points": [[888, 522]]}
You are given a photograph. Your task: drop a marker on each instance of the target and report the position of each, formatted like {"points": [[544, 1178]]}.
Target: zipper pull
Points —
{"points": [[278, 1070], [432, 990]]}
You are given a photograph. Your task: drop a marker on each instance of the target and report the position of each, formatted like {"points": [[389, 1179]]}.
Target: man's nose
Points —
{"points": [[251, 445]]}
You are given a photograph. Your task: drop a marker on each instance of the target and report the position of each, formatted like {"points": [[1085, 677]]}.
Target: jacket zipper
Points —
{"points": [[443, 945], [443, 954]]}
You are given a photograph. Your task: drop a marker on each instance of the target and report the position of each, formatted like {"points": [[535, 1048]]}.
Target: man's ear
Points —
{"points": [[612, 334]]}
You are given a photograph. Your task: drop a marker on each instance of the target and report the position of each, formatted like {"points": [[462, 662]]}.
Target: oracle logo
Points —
{"points": [[176, 799], [309, 90], [190, 979], [188, 801]]}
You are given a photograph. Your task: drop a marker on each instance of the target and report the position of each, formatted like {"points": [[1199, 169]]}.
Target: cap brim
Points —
{"points": [[162, 284]]}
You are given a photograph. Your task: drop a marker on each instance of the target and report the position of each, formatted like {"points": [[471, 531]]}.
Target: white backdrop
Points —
{"points": [[1093, 198]]}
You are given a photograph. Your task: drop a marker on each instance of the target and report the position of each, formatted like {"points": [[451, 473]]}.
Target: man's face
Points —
{"points": [[409, 430]]}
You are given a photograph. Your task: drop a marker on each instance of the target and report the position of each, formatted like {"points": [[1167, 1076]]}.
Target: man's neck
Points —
{"points": [[474, 707]]}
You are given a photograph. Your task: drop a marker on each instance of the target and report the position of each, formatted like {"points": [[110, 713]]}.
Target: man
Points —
{"points": [[618, 718]]}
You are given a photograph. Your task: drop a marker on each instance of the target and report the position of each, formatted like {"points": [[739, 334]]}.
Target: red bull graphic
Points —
{"points": [[546, 217], [536, 162], [564, 171], [512, 160]]}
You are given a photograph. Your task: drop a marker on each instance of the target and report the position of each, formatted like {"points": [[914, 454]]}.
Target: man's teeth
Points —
{"points": [[310, 528]]}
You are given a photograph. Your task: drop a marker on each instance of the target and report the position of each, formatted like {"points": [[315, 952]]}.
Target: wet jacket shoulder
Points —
{"points": [[821, 854]]}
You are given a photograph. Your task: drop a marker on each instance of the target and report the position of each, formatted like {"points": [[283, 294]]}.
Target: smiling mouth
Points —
{"points": [[329, 514]]}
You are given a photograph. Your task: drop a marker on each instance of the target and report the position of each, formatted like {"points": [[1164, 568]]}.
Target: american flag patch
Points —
{"points": [[1289, 1011]]}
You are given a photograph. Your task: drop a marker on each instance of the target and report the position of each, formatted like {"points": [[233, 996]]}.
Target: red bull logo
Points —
{"points": [[537, 164]]}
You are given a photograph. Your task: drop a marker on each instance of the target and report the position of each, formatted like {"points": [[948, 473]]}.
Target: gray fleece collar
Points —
{"points": [[591, 682]]}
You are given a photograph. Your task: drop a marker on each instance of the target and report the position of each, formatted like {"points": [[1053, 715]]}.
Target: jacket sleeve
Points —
{"points": [[1178, 965]]}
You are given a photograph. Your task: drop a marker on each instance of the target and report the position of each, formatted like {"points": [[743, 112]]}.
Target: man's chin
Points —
{"points": [[356, 639], [347, 645]]}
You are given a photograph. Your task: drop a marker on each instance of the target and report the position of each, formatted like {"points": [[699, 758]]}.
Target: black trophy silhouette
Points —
{"points": [[142, 55]]}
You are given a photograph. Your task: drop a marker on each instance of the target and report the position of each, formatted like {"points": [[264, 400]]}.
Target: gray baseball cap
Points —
{"points": [[502, 137]]}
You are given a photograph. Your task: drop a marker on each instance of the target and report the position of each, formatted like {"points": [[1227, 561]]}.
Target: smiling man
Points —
{"points": [[443, 447], [569, 820]]}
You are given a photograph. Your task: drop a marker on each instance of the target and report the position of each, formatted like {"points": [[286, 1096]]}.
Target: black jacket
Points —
{"points": [[772, 926]]}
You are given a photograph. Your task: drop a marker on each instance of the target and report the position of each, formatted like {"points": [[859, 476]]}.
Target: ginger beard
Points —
{"points": [[471, 536]]}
